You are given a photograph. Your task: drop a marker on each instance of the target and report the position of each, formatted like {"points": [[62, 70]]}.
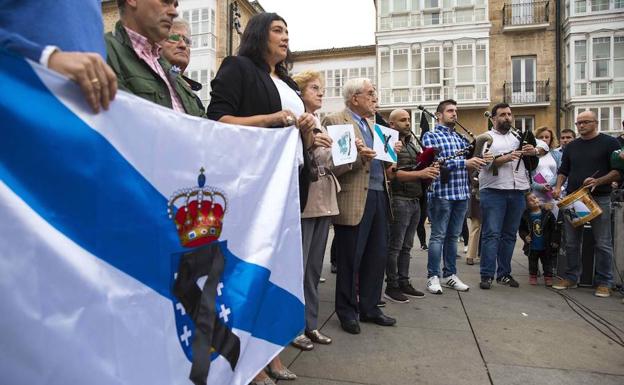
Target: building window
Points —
{"points": [[618, 4], [601, 47], [580, 59], [465, 66], [432, 65], [580, 6], [599, 5], [399, 6], [523, 80], [524, 123], [202, 22], [606, 69], [400, 70], [416, 66], [458, 71]]}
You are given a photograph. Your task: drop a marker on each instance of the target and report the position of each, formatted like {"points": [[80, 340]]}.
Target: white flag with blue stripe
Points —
{"points": [[89, 254]]}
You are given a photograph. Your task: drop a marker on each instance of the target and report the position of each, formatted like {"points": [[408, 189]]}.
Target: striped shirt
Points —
{"points": [[150, 53], [448, 142]]}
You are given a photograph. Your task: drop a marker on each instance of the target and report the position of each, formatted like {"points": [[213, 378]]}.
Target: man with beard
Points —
{"points": [[406, 188], [502, 197]]}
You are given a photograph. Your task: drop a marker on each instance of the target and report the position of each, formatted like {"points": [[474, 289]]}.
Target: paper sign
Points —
{"points": [[343, 146], [383, 143]]}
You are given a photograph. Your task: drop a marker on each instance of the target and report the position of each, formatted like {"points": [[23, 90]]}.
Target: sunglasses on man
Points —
{"points": [[177, 37]]}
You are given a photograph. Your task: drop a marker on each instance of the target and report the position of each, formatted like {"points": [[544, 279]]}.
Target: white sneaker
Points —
{"points": [[433, 285], [453, 282], [465, 249]]}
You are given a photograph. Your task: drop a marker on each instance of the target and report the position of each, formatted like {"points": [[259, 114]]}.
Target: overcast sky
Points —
{"points": [[315, 24]]}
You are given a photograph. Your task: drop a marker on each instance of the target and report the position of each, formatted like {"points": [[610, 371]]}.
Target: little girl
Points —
{"points": [[539, 231]]}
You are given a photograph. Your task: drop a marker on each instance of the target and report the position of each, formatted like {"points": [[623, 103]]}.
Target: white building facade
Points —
{"points": [[336, 66], [593, 38], [431, 50], [201, 16]]}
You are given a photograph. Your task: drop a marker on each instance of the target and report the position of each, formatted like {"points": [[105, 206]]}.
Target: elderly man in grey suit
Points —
{"points": [[361, 227]]}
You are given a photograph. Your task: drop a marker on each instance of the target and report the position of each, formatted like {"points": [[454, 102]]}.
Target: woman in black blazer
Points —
{"points": [[254, 89]]}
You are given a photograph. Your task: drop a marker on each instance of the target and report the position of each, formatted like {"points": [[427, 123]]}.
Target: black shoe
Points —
{"points": [[486, 283], [381, 303], [508, 280], [350, 326], [395, 294], [409, 291], [334, 268], [424, 246], [381, 320]]}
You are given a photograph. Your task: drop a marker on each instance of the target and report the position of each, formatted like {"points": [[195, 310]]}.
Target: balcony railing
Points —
{"points": [[432, 18], [536, 92], [525, 14]]}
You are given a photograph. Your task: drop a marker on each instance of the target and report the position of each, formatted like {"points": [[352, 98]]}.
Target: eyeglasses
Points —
{"points": [[317, 89], [177, 37], [581, 122], [370, 94]]}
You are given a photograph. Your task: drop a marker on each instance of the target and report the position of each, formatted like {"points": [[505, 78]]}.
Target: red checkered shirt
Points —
{"points": [[150, 53]]}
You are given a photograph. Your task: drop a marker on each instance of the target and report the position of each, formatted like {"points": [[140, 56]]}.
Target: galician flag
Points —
{"points": [[139, 245]]}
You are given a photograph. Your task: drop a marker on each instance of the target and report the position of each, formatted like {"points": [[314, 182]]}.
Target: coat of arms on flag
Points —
{"points": [[120, 292]]}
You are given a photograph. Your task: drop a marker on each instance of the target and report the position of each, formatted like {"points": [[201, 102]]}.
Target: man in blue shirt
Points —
{"points": [[448, 199], [65, 36]]}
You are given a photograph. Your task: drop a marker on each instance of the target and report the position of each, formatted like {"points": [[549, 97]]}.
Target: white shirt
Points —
{"points": [[508, 178], [290, 100]]}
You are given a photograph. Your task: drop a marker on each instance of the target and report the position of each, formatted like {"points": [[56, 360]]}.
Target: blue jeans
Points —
{"points": [[447, 218], [603, 248], [501, 211], [401, 239]]}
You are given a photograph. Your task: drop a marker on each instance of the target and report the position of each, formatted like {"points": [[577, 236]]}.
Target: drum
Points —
{"points": [[579, 207]]}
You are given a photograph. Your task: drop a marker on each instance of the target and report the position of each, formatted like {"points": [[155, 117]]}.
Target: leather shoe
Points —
{"points": [[381, 320], [318, 337], [302, 342], [350, 326]]}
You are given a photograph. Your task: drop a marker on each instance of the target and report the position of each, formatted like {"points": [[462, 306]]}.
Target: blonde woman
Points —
{"points": [[544, 177], [320, 207]]}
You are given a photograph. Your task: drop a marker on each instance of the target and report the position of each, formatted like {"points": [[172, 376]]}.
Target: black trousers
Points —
{"points": [[545, 257], [420, 230], [361, 259]]}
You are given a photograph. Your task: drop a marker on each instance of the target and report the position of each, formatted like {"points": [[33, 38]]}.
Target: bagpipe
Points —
{"points": [[484, 141], [430, 155]]}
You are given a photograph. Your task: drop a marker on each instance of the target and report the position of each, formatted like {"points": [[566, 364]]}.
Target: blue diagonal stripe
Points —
{"points": [[380, 135], [80, 184]]}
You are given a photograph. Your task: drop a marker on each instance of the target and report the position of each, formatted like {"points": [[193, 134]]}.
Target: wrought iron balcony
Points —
{"points": [[525, 14], [527, 93]]}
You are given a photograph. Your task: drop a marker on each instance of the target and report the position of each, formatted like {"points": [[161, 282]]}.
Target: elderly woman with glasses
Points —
{"points": [[319, 209]]}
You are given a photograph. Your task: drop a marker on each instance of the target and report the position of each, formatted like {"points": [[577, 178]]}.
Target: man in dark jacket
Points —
{"points": [[406, 188], [134, 54]]}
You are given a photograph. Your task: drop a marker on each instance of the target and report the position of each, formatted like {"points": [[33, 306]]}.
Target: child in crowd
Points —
{"points": [[540, 233]]}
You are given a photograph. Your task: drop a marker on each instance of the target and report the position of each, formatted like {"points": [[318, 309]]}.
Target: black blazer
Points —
{"points": [[242, 88]]}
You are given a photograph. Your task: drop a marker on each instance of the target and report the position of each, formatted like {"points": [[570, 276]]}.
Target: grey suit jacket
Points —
{"points": [[353, 183]]}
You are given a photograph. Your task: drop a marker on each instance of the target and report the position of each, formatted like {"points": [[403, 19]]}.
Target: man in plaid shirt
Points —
{"points": [[448, 199]]}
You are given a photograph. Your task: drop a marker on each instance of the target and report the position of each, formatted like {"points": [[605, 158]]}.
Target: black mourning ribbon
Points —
{"points": [[210, 333], [386, 142]]}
